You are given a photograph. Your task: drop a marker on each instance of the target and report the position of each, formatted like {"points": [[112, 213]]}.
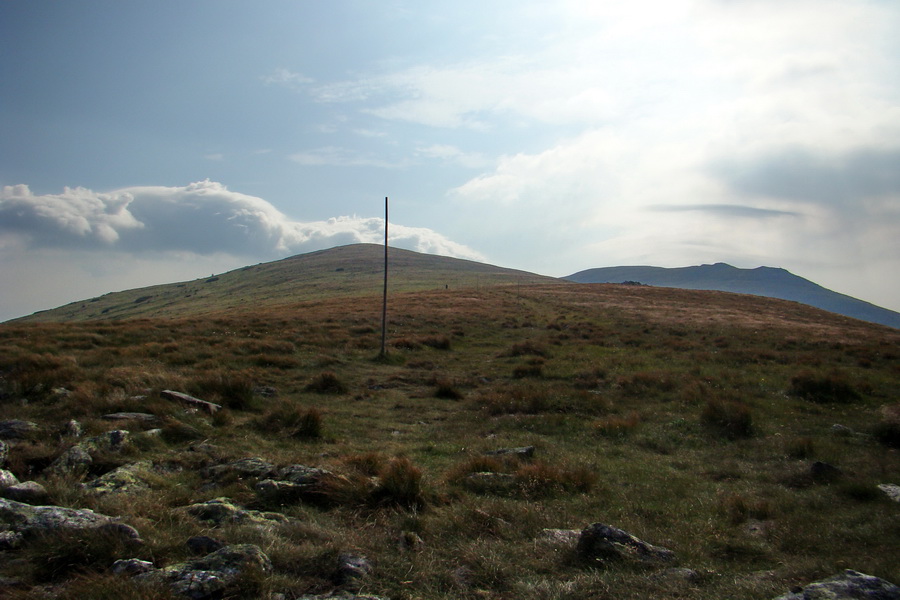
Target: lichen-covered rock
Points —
{"points": [[223, 511], [29, 492], [849, 585], [74, 461], [7, 479], [128, 479], [25, 519], [302, 474], [599, 542], [131, 566], [559, 539], [891, 490], [210, 576], [523, 453], [244, 468]]}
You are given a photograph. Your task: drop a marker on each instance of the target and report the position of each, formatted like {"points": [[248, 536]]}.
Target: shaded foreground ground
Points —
{"points": [[690, 419]]}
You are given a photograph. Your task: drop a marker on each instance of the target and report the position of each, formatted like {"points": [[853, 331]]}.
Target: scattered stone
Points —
{"points": [[209, 577], [74, 461], [823, 472], [524, 453], [10, 540], [73, 429], [488, 481], [60, 392], [131, 416], [302, 474], [599, 542], [243, 468], [127, 479], [203, 544], [352, 570], [26, 519], [266, 391], [223, 511], [16, 429], [4, 452], [7, 479], [842, 430], [29, 492], [132, 566], [849, 585], [892, 490], [111, 441], [203, 405]]}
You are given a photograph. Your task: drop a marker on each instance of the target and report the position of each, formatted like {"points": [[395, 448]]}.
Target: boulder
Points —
{"points": [[7, 479], [128, 479], [74, 461], [599, 542], [209, 577], [244, 468], [223, 511], [891, 490], [16, 429], [849, 585], [29, 492], [18, 520], [559, 539]]}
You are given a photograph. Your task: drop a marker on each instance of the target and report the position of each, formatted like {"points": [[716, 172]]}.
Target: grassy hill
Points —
{"points": [[698, 421], [345, 271]]}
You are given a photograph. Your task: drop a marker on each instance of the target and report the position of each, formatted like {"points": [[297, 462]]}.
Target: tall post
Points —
{"points": [[384, 302]]}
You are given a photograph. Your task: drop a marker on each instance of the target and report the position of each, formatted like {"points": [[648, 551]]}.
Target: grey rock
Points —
{"points": [[16, 429], [74, 429], [131, 416], [210, 576], [132, 566], [302, 474], [74, 461], [128, 479], [524, 452], [4, 452], [849, 585], [29, 492], [26, 519], [7, 479], [892, 490], [488, 481], [352, 570], [124, 532], [600, 542], [223, 511], [244, 468]]}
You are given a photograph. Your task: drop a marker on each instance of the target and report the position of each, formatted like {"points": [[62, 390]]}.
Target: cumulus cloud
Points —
{"points": [[202, 218]]}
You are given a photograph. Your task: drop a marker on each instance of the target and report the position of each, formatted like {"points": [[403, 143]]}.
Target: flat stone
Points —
{"points": [[849, 585], [29, 492], [131, 416], [892, 490], [15, 429], [602, 542], [191, 401]]}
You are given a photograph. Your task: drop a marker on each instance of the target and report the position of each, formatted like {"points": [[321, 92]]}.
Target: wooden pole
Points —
{"points": [[384, 302]]}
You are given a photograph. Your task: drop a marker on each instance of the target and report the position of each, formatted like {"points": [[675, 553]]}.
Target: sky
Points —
{"points": [[152, 142]]}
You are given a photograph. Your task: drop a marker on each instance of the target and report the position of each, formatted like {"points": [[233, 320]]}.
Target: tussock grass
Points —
{"points": [[689, 419]]}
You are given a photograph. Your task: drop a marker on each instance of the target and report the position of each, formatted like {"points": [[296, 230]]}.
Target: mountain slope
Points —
{"points": [[762, 281], [355, 270]]}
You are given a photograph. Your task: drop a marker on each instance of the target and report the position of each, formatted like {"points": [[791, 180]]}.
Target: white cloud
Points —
{"points": [[335, 156], [203, 218]]}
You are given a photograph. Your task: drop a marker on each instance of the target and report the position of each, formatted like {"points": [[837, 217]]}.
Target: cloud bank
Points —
{"points": [[202, 218]]}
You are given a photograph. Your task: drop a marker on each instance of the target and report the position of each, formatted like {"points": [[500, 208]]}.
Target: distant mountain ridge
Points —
{"points": [[762, 281]]}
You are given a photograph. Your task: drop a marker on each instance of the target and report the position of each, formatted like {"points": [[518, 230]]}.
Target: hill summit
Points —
{"points": [[762, 281]]}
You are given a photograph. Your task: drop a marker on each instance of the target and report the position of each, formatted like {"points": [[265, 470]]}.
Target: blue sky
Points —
{"points": [[150, 142]]}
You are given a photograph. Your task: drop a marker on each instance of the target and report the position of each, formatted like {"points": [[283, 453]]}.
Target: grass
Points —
{"points": [[689, 419]]}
